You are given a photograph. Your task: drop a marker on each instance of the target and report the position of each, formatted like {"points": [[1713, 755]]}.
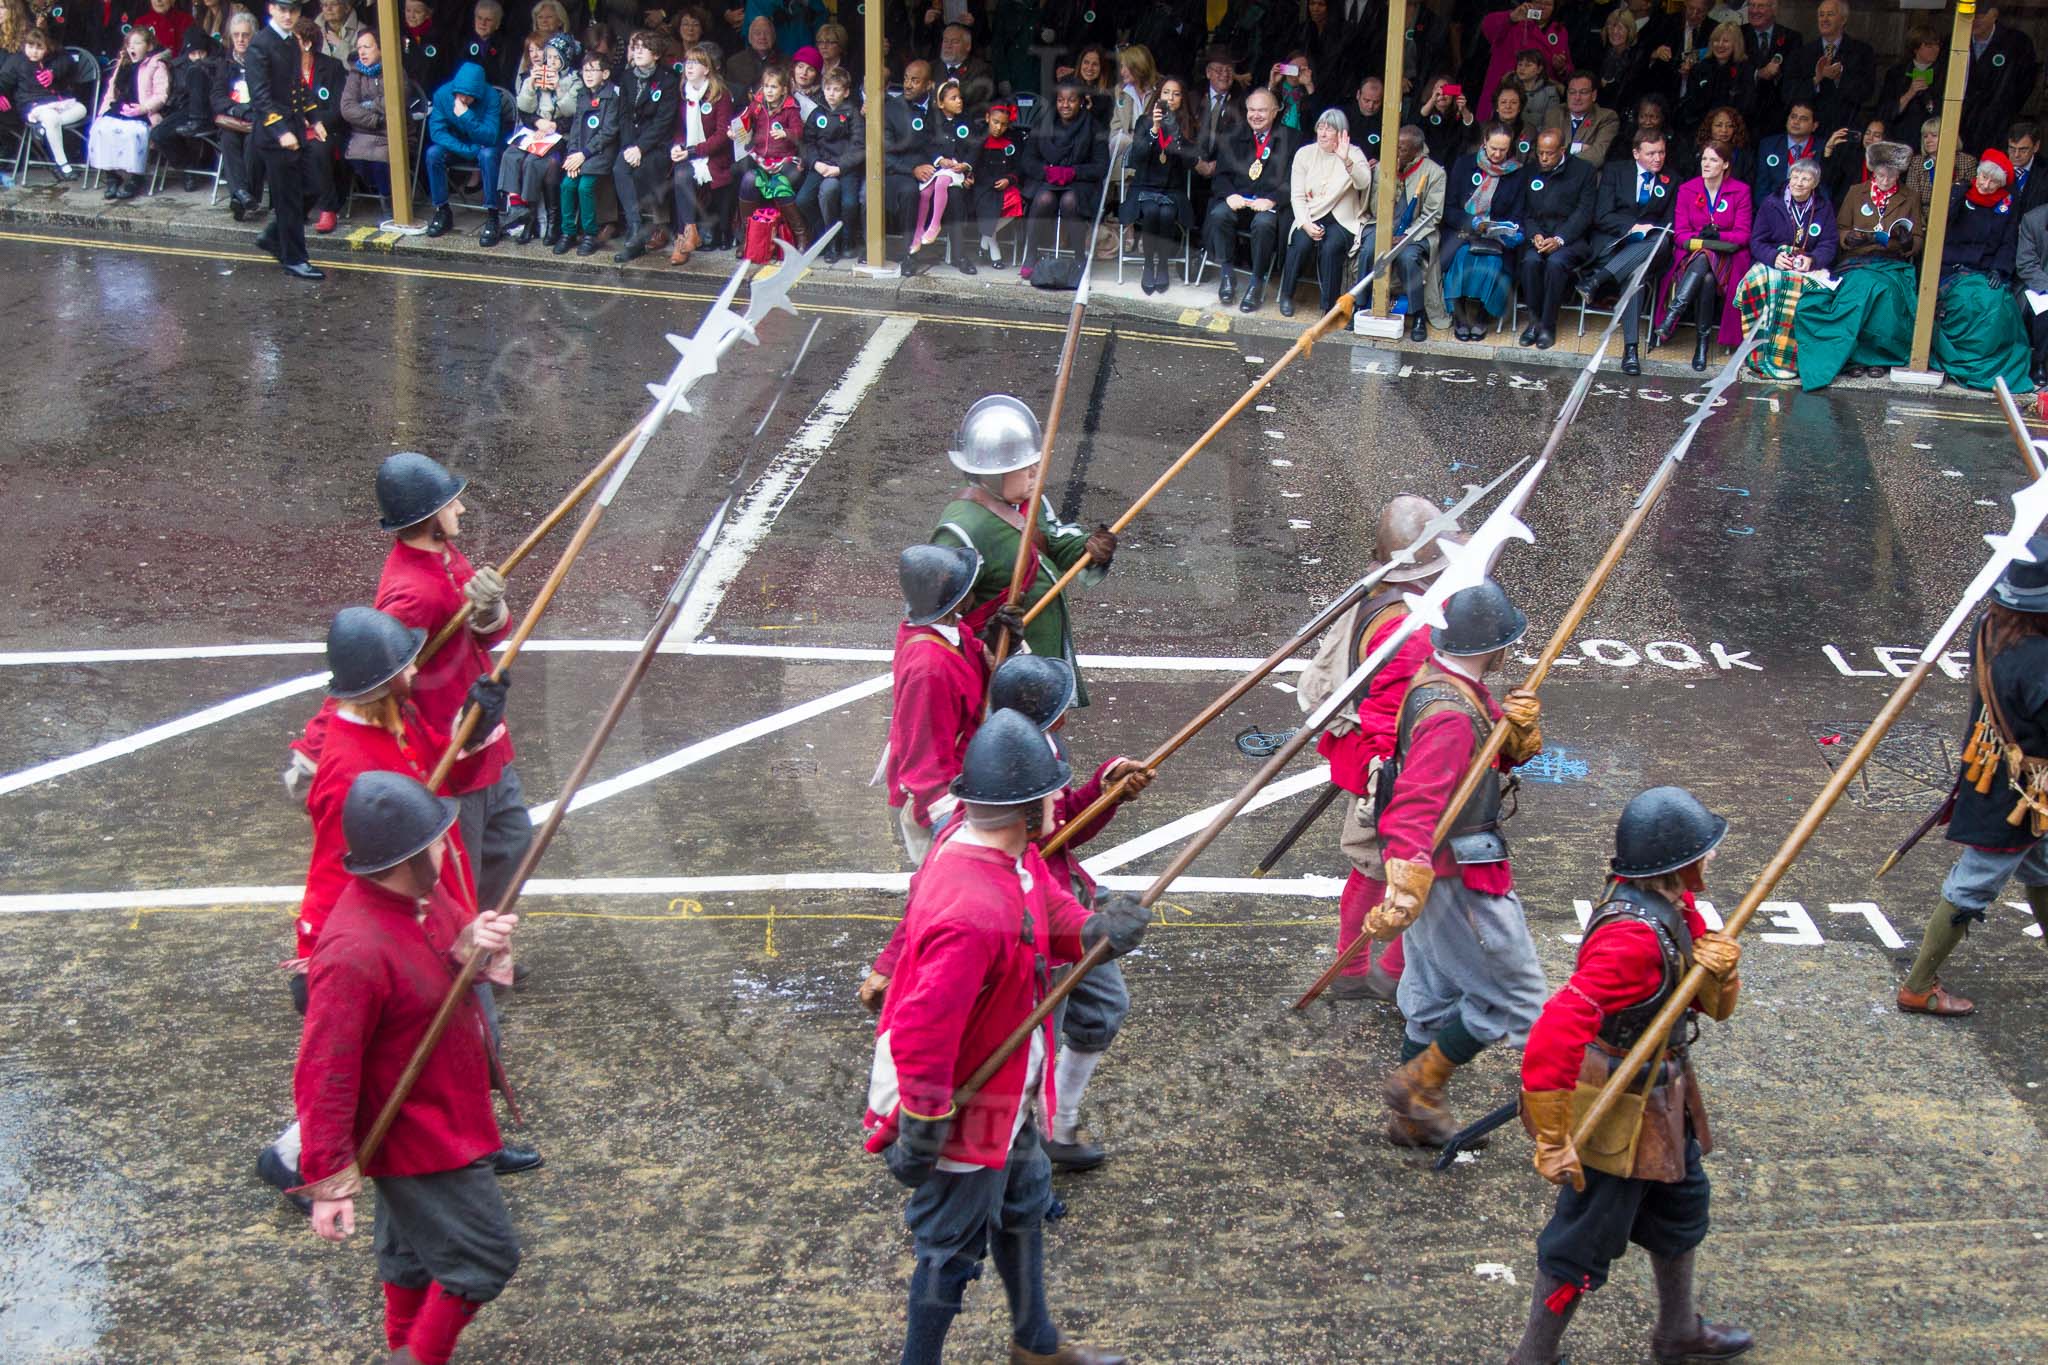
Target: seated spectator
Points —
{"points": [[2022, 145], [1136, 92], [1834, 72], [796, 21], [1418, 203], [700, 158], [957, 62], [910, 134], [1920, 173], [743, 68], [1712, 225], [1293, 84], [67, 25], [167, 19], [132, 98], [338, 29], [1589, 131], [1330, 182], [485, 45], [1635, 199], [362, 107], [545, 20], [2030, 267], [1794, 236], [836, 145], [1979, 335], [1445, 117], [464, 126], [1156, 199], [1248, 192], [693, 28], [587, 152], [805, 76], [15, 22], [317, 98], [1628, 69], [1842, 164], [1063, 165], [647, 124], [771, 133], [530, 171], [938, 208], [210, 17], [188, 114], [231, 112], [1539, 93], [1523, 27], [1726, 126], [1910, 95], [1864, 325], [1482, 227], [1507, 113], [421, 53], [1558, 197], [1091, 72], [37, 82], [1722, 78], [1780, 152], [1366, 115], [833, 47]]}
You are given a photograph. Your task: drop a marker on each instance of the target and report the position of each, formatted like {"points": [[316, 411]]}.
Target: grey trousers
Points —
{"points": [[451, 1228], [1470, 956], [496, 830], [1981, 873]]}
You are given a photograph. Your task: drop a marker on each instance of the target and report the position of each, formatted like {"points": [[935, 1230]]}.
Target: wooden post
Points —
{"points": [[391, 46], [875, 92], [1389, 169], [1936, 226]]}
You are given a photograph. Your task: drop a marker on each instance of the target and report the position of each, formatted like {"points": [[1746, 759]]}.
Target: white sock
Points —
{"points": [[286, 1145], [1070, 1077]]}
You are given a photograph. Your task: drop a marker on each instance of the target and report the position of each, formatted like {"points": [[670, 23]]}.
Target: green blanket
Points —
{"points": [[1865, 320], [1979, 335]]}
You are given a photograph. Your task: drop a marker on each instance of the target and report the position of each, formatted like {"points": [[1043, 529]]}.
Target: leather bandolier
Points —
{"points": [[1643, 1135], [1476, 837], [1993, 746]]}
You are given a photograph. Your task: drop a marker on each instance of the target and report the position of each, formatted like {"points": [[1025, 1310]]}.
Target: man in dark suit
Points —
{"points": [[957, 62], [1635, 198], [2029, 187], [1776, 154], [2002, 72], [279, 134], [1771, 49], [1837, 74], [1557, 214], [1254, 167], [1221, 111], [910, 136]]}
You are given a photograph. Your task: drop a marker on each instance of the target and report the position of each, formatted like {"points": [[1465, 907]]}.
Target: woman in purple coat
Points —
{"points": [[1795, 228], [1712, 227]]}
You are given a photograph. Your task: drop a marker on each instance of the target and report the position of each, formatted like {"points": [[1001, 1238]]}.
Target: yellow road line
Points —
{"points": [[586, 287]]}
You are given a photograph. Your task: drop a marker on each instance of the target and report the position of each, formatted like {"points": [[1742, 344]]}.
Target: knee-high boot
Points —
{"points": [[1681, 1333], [1707, 314], [1681, 302]]}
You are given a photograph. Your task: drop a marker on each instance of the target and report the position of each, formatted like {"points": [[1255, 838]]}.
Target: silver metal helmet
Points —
{"points": [[997, 435], [1401, 520]]}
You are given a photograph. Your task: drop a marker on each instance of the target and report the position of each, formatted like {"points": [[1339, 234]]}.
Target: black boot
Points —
{"points": [[1681, 1334], [1706, 320], [636, 245], [442, 221], [1631, 363], [493, 230], [1227, 289], [1682, 295], [113, 186], [1540, 1339]]}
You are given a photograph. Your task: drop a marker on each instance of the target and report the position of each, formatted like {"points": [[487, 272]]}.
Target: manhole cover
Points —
{"points": [[1912, 768]]}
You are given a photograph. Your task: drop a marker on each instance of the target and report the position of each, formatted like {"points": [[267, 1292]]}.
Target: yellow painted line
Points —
{"points": [[358, 236], [1992, 419], [611, 290]]}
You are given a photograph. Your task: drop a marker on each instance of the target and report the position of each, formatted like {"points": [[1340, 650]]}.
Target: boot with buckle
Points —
{"points": [[1414, 1091]]}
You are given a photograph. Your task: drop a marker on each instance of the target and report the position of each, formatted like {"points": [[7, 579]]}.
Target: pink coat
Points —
{"points": [[1506, 34], [1731, 212], [152, 88]]}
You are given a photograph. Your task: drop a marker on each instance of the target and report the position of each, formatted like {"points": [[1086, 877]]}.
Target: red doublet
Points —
{"points": [[1618, 966], [939, 689], [421, 589], [981, 935], [348, 749], [1065, 864], [1439, 748], [1350, 755], [377, 979]]}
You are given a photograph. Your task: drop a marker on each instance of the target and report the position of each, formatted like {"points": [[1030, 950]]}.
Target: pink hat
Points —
{"points": [[811, 57]]}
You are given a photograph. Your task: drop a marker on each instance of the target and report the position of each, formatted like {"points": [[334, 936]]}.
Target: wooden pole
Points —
{"points": [[533, 539], [397, 124], [874, 92], [2017, 424], [1389, 169], [1936, 234]]}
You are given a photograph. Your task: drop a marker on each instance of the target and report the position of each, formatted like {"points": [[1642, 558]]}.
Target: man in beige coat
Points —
{"points": [[1331, 192]]}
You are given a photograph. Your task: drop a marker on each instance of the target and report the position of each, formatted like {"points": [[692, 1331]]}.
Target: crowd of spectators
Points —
{"points": [[1546, 150]]}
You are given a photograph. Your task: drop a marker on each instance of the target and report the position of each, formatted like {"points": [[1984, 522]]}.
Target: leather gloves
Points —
{"points": [[1408, 886], [1519, 711], [1008, 621], [1547, 1114], [918, 1143], [1135, 775], [1720, 955], [487, 695], [1101, 545], [486, 593], [872, 992], [1121, 920]]}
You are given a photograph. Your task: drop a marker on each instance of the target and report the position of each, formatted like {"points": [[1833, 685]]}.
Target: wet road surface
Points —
{"points": [[190, 473]]}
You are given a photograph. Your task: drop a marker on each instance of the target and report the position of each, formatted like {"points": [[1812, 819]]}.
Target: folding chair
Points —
{"points": [[1187, 243], [87, 89]]}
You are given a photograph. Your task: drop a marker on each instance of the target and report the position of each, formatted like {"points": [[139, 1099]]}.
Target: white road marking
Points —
{"points": [[156, 734], [1176, 830], [706, 748], [207, 897], [754, 516]]}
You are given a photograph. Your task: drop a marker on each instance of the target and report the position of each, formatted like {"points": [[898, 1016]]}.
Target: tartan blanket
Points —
{"points": [[1773, 294]]}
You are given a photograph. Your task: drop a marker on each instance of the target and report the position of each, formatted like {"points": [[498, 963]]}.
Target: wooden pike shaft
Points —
{"points": [[1229, 698], [1025, 568], [971, 1087], [533, 539], [1336, 317], [2018, 426], [1767, 881]]}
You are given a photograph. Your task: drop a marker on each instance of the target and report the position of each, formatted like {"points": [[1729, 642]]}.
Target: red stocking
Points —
{"points": [[401, 1308], [439, 1324]]}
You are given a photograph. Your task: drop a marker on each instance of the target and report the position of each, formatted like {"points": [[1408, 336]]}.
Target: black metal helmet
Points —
{"points": [[367, 649], [1662, 830], [1479, 620], [412, 487], [2024, 587], [1041, 688], [1008, 763], [936, 578], [388, 817]]}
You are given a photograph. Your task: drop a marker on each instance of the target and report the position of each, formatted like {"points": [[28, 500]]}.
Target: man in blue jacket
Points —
{"points": [[466, 126]]}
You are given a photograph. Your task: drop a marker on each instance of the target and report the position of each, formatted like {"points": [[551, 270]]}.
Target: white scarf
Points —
{"points": [[693, 117]]}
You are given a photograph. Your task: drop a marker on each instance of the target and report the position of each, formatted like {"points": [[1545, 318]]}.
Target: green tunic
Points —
{"points": [[966, 522]]}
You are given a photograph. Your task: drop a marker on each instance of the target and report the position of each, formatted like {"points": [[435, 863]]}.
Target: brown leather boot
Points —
{"points": [[1415, 1092], [1682, 1335], [1069, 1353], [687, 241]]}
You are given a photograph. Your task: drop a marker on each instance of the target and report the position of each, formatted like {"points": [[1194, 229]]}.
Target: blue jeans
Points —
{"points": [[438, 157], [1980, 874]]}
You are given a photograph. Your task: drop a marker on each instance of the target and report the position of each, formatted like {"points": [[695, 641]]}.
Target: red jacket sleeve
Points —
{"points": [[1064, 915], [1074, 800], [1439, 749], [342, 1002], [1620, 965], [924, 729], [892, 951], [314, 737], [925, 1029]]}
